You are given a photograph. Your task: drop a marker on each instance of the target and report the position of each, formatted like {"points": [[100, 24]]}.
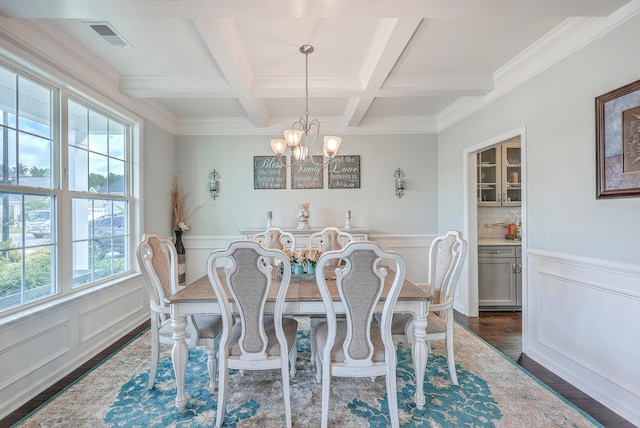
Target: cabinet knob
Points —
{"points": [[494, 252]]}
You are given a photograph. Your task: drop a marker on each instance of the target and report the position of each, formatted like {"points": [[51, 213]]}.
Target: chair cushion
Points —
{"points": [[289, 325], [209, 325], [435, 324], [166, 330], [337, 352]]}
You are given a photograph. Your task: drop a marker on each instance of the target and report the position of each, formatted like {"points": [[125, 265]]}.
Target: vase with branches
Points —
{"points": [[180, 206]]}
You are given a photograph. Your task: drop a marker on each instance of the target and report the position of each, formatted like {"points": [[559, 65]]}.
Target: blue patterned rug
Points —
{"points": [[492, 392]]}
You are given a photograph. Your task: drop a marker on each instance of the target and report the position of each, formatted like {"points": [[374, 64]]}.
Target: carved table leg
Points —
{"points": [[179, 356], [420, 353]]}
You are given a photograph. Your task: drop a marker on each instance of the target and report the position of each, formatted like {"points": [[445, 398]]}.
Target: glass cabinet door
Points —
{"points": [[511, 175], [500, 176], [489, 178]]}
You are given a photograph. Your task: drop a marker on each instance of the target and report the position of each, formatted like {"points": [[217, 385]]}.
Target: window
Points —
{"points": [[98, 165], [27, 201], [39, 146]]}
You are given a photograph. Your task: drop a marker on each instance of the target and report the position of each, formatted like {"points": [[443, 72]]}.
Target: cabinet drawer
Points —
{"points": [[497, 251]]}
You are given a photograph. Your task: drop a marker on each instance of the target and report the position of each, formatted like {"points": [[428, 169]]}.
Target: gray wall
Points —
{"points": [[581, 280], [158, 162], [373, 206], [557, 108]]}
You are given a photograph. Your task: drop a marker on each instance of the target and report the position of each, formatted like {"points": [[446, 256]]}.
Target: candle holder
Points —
{"points": [[347, 223]]}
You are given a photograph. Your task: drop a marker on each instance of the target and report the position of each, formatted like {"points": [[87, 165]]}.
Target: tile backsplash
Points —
{"points": [[493, 221]]}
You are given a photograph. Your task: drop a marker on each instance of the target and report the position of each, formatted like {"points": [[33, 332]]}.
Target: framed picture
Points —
{"points": [[268, 173], [307, 175], [618, 143], [344, 172]]}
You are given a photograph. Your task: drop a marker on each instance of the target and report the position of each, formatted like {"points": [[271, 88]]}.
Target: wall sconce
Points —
{"points": [[400, 183], [214, 184]]}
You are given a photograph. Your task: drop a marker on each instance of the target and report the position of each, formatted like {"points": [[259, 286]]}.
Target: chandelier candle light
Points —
{"points": [[296, 138]]}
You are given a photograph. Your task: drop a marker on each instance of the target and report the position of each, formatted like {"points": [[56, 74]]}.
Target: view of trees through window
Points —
{"points": [[96, 150]]}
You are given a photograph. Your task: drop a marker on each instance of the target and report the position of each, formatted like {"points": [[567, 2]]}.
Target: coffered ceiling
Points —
{"points": [[379, 66]]}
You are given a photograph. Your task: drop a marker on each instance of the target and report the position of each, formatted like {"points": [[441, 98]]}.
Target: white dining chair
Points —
{"points": [[358, 346], [275, 237], [328, 239], [158, 262], [257, 341], [446, 258]]}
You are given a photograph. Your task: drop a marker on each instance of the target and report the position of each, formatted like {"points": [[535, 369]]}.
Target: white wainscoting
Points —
{"points": [[582, 318], [44, 344], [414, 249]]}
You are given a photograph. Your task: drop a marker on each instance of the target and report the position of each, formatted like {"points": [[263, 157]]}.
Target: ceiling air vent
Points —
{"points": [[107, 32]]}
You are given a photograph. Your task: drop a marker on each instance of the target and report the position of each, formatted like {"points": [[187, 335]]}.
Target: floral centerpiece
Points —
{"points": [[311, 256], [308, 259], [293, 256]]}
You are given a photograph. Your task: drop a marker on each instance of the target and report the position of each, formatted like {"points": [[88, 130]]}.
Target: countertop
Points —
{"points": [[498, 242]]}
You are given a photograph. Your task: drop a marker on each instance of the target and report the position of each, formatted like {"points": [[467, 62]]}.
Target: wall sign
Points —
{"points": [[268, 173], [344, 172], [307, 175]]}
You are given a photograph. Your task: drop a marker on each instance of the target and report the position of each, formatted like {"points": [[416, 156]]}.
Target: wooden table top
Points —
{"points": [[302, 288]]}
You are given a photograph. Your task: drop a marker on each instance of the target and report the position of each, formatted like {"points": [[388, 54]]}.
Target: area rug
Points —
{"points": [[493, 392]]}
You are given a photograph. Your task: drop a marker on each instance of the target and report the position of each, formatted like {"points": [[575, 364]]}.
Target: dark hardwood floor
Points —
{"points": [[503, 330]]}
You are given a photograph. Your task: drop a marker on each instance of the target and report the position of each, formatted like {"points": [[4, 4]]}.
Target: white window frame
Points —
{"points": [[62, 93]]}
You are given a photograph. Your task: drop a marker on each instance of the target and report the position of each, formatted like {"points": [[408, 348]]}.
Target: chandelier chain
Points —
{"points": [[306, 92]]}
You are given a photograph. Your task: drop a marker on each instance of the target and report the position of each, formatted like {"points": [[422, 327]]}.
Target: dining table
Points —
{"points": [[303, 298]]}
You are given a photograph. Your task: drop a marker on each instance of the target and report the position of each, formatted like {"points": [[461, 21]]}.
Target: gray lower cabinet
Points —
{"points": [[499, 277]]}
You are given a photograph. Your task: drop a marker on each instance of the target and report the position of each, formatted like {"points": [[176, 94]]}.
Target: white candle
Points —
{"points": [[349, 214], [269, 214]]}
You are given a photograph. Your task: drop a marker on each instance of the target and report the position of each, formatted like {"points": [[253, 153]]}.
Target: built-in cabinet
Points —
{"points": [[500, 176], [499, 277]]}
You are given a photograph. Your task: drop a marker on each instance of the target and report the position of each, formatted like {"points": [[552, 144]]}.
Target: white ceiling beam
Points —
{"points": [[389, 41], [225, 46]]}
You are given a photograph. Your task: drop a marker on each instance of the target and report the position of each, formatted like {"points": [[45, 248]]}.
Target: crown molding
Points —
{"points": [[158, 87], [242, 126], [567, 38], [36, 43]]}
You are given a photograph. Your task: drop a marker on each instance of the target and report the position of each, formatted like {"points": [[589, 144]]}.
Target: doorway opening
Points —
{"points": [[498, 218]]}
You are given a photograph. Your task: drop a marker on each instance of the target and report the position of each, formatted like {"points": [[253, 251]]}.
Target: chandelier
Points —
{"points": [[296, 138]]}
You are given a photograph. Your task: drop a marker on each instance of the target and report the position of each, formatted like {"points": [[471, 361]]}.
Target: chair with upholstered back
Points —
{"points": [[328, 239], [158, 262], [357, 346], [274, 237], [256, 341], [446, 259]]}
